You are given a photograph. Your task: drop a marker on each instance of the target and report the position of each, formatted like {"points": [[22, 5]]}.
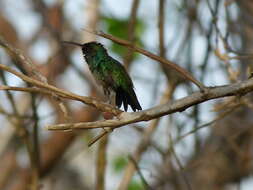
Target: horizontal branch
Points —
{"points": [[240, 88]]}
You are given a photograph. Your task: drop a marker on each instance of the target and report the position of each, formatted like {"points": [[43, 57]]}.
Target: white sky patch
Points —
{"points": [[74, 10], [40, 50], [22, 7], [116, 8]]}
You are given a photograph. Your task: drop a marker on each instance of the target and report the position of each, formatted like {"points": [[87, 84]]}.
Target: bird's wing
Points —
{"points": [[124, 88], [120, 76]]}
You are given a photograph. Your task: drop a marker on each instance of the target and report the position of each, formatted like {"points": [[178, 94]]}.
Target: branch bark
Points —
{"points": [[59, 92], [240, 88]]}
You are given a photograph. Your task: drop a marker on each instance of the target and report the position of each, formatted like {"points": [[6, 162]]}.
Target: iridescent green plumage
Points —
{"points": [[110, 74]]}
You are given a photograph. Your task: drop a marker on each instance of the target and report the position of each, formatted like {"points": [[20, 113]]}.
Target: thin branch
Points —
{"points": [[131, 32], [144, 181], [140, 149], [218, 118], [26, 89], [19, 57], [9, 95], [172, 65], [188, 185], [101, 135], [13, 115], [63, 93]]}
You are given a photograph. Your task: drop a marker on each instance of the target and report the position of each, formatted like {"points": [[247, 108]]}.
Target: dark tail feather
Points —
{"points": [[127, 98]]}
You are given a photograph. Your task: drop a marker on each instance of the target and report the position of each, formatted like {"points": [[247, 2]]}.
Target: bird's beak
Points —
{"points": [[72, 43]]}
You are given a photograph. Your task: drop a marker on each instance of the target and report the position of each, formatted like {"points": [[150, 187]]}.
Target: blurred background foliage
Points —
{"points": [[207, 147]]}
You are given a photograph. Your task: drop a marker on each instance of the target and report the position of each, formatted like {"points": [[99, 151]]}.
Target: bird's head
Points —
{"points": [[92, 48], [89, 48]]}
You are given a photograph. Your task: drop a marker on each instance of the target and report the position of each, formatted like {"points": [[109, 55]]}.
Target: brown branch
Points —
{"points": [[172, 65], [131, 32], [101, 135], [62, 93], [161, 27], [140, 149], [101, 163], [182, 169], [144, 181], [240, 88], [19, 57], [218, 118]]}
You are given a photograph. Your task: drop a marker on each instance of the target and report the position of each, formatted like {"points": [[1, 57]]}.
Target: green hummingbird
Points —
{"points": [[109, 73]]}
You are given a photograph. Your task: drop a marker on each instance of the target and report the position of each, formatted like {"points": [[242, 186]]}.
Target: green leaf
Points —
{"points": [[119, 28], [119, 164], [135, 185]]}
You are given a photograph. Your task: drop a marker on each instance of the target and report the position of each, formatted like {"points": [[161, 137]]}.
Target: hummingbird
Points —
{"points": [[109, 73]]}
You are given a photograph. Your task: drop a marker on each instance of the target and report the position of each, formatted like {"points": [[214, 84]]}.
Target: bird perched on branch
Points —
{"points": [[110, 74]]}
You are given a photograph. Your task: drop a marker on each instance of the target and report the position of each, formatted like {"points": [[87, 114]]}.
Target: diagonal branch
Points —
{"points": [[240, 88], [61, 93], [160, 59], [19, 57]]}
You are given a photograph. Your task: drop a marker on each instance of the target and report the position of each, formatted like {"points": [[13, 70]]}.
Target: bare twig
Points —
{"points": [[63, 93], [144, 181], [9, 95], [140, 149], [131, 32], [188, 185], [101, 135], [173, 66], [18, 56], [218, 118]]}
